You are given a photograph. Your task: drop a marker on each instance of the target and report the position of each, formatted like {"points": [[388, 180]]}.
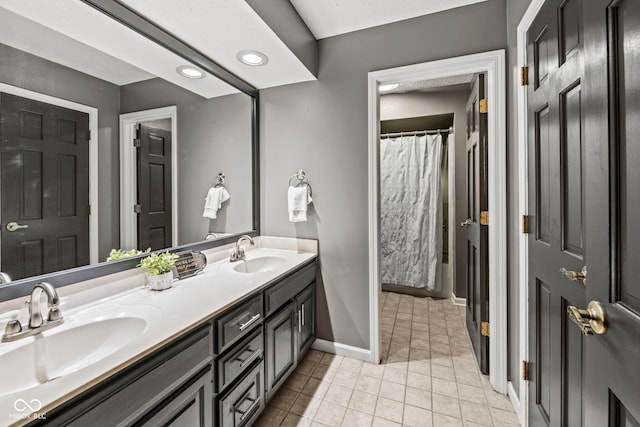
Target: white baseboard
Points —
{"points": [[458, 301], [515, 401], [342, 350]]}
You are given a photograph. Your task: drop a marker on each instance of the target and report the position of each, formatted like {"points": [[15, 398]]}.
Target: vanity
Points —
{"points": [[210, 351]]}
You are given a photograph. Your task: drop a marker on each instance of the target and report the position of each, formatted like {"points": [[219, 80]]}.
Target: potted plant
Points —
{"points": [[117, 254], [158, 269]]}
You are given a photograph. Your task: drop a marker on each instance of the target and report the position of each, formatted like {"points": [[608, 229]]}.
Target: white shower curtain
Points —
{"points": [[410, 210]]}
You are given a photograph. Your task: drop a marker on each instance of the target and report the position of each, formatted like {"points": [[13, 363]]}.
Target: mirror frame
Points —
{"points": [[131, 19]]}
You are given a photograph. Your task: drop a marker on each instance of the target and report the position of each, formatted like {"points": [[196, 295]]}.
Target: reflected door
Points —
{"points": [[154, 188], [45, 187]]}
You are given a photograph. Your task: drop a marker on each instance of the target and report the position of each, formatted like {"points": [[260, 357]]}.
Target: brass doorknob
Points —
{"points": [[576, 275], [590, 321]]}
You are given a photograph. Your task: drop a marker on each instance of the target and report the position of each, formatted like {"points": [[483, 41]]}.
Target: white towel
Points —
{"points": [[298, 199], [213, 201]]}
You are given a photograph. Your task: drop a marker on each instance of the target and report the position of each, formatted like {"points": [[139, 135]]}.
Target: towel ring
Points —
{"points": [[220, 179], [301, 176]]}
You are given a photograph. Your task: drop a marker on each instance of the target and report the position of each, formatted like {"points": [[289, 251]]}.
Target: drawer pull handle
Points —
{"points": [[299, 321], [250, 410], [245, 362], [249, 322], [302, 314]]}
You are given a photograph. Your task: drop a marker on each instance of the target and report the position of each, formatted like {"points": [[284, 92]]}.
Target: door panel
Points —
{"points": [[154, 188], [612, 37], [556, 202], [45, 186], [478, 248]]}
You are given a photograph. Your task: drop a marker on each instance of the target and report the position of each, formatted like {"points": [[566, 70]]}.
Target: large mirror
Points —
{"points": [[111, 141]]}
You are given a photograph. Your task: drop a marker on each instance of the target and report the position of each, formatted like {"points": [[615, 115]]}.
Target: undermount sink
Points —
{"points": [[259, 265], [65, 349]]}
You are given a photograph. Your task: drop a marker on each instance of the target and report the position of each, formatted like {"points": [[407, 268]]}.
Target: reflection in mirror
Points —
{"points": [[107, 143]]}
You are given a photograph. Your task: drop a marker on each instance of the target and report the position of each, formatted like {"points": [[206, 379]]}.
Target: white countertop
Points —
{"points": [[187, 304]]}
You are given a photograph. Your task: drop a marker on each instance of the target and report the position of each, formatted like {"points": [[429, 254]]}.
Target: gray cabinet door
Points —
{"points": [[305, 305], [281, 347]]}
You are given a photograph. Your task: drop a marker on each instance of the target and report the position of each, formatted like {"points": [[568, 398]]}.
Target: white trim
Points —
{"points": [[523, 262], [462, 302], [493, 64], [128, 173], [342, 350], [93, 155], [513, 396]]}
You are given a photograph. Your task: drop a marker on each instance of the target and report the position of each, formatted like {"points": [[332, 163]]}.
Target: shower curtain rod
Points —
{"points": [[417, 132]]}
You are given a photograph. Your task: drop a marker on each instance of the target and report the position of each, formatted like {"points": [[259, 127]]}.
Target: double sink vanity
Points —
{"points": [[210, 351]]}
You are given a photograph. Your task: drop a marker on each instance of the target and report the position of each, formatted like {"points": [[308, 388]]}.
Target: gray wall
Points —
{"points": [[415, 104], [214, 135], [515, 11], [321, 126], [18, 68]]}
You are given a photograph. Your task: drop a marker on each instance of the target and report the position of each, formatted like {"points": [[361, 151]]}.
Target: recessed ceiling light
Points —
{"points": [[190, 72], [252, 57], [388, 87]]}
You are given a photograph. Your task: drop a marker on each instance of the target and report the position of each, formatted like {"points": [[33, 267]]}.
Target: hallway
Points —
{"points": [[428, 377]]}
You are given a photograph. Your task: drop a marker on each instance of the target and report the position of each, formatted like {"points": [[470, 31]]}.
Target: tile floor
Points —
{"points": [[428, 377]]}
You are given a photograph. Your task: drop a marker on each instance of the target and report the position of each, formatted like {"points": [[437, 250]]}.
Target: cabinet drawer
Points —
{"points": [[240, 358], [243, 403], [277, 295], [239, 322]]}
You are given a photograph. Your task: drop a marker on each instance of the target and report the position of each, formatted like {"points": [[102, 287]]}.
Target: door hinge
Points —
{"points": [[137, 143], [524, 76], [484, 329], [137, 208], [484, 106], [525, 224], [484, 218], [524, 371]]}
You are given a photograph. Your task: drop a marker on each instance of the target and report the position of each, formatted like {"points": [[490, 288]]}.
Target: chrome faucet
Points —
{"points": [[4, 278], [239, 254], [14, 331]]}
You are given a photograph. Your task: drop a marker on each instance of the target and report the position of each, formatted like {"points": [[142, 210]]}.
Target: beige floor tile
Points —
{"points": [[389, 409], [316, 388], [393, 391], [417, 397], [338, 394], [418, 354], [295, 382], [497, 400], [441, 360], [446, 387], [363, 402], [356, 419], [306, 367], [371, 370], [420, 367], [345, 378], [330, 414], [440, 348], [441, 420], [292, 420], [469, 378], [416, 417], [284, 399], [271, 417], [420, 343], [395, 375], [504, 418], [368, 384], [305, 406], [314, 355], [475, 412], [351, 365], [420, 381], [471, 394], [331, 360], [446, 405], [419, 326], [462, 364], [442, 372], [324, 373], [381, 422], [439, 338]]}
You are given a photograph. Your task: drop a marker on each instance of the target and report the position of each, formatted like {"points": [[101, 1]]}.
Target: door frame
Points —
{"points": [[93, 154], [521, 401], [493, 64], [128, 173]]}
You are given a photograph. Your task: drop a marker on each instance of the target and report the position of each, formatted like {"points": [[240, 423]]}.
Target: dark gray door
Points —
{"points": [[45, 187], [305, 306], [281, 342], [477, 239], [154, 188], [556, 175], [612, 105]]}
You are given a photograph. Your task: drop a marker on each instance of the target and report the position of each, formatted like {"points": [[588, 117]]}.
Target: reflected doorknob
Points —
{"points": [[576, 275], [466, 223], [590, 321]]}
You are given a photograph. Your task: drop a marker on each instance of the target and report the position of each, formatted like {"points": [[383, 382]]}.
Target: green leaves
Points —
{"points": [[158, 264], [117, 254]]}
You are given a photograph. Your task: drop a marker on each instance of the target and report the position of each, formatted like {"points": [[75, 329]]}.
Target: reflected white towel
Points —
{"points": [[213, 201], [298, 199]]}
